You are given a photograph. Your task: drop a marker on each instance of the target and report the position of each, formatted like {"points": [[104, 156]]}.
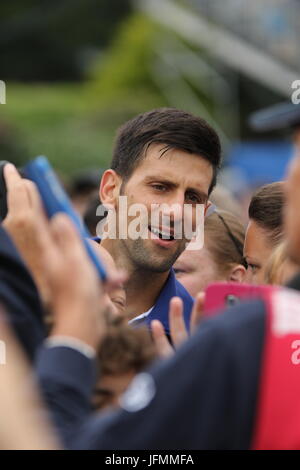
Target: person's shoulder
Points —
{"points": [[239, 316], [237, 328]]}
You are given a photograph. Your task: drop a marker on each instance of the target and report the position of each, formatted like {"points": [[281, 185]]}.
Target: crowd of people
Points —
{"points": [[135, 362]]}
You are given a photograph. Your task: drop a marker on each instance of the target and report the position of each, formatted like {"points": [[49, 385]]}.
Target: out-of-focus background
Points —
{"points": [[77, 69]]}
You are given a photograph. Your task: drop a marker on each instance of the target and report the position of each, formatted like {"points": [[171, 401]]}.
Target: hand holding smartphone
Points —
{"points": [[54, 199]]}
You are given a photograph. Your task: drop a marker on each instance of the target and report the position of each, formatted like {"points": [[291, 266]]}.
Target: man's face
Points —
{"points": [[176, 177], [292, 209]]}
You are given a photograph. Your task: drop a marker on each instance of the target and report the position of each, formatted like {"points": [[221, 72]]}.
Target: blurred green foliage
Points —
{"points": [[42, 40], [96, 64], [52, 120], [73, 123], [125, 71]]}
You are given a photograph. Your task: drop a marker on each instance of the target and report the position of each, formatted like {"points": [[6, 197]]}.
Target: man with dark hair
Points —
{"points": [[164, 159], [169, 126]]}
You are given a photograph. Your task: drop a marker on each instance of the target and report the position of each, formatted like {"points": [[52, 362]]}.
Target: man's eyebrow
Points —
{"points": [[160, 179]]}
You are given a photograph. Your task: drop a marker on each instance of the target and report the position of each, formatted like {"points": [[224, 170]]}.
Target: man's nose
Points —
{"points": [[175, 206]]}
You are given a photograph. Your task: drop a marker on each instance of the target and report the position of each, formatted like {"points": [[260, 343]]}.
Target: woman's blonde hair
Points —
{"points": [[277, 264]]}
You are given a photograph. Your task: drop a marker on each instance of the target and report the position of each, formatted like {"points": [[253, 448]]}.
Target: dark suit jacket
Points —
{"points": [[19, 296], [204, 397]]}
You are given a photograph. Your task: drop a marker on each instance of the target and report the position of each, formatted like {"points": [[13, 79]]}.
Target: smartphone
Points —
{"points": [[221, 295], [54, 199]]}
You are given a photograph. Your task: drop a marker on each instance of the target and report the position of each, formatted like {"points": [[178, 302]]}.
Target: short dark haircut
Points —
{"points": [[266, 209], [175, 129]]}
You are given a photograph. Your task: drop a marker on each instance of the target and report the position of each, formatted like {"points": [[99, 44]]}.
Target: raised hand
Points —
{"points": [[178, 330], [26, 223]]}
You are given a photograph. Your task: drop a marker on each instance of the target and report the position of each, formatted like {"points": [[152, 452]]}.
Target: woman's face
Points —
{"points": [[195, 269], [257, 250]]}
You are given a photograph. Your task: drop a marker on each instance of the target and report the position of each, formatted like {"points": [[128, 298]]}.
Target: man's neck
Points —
{"points": [[142, 286], [142, 291]]}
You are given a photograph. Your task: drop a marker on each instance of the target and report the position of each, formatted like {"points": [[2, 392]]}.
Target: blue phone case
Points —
{"points": [[56, 200]]}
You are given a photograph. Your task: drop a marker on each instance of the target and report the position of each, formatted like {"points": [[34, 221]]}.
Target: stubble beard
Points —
{"points": [[145, 260], [141, 257]]}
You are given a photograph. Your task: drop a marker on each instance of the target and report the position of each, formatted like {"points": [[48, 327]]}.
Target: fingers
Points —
{"points": [[197, 312], [66, 236], [33, 196], [68, 252], [178, 329], [61, 246], [77, 298], [17, 194], [160, 339], [115, 277], [11, 175], [22, 194]]}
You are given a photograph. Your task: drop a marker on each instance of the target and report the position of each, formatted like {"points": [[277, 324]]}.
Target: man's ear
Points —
{"points": [[237, 273], [109, 187]]}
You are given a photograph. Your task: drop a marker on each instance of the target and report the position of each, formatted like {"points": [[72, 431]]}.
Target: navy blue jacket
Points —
{"points": [[19, 296], [204, 397]]}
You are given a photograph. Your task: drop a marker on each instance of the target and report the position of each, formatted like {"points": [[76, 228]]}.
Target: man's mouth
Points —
{"points": [[161, 233]]}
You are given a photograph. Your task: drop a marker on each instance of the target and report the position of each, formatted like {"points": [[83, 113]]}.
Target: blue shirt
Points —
{"points": [[160, 311]]}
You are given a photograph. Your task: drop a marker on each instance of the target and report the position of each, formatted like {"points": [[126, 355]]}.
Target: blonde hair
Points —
{"points": [[275, 272], [224, 238]]}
